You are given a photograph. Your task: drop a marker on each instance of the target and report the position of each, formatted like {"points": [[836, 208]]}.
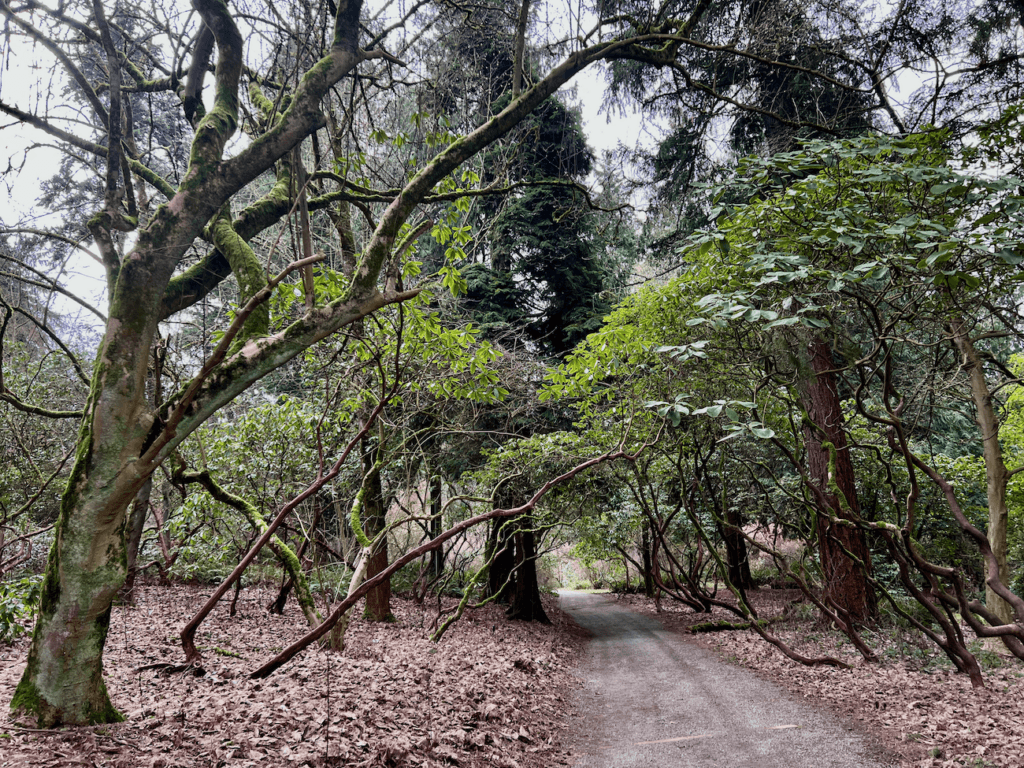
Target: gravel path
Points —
{"points": [[653, 699]]}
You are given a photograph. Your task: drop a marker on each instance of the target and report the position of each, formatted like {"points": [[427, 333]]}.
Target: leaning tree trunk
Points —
{"points": [[996, 473], [846, 582], [63, 678], [277, 605]]}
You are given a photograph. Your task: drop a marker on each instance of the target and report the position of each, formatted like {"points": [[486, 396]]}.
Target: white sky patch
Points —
{"points": [[606, 128]]}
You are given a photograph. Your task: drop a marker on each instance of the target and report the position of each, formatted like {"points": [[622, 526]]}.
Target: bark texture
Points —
{"points": [[845, 581], [996, 474], [378, 599], [525, 604]]}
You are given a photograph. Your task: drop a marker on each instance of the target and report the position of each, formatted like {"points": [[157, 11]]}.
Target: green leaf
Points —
{"points": [[783, 321], [813, 322]]}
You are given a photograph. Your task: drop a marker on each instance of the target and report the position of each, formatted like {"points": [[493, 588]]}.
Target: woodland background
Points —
{"points": [[378, 318]]}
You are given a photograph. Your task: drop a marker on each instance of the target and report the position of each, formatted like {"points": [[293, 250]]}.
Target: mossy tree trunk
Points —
{"points": [[121, 439], [287, 557]]}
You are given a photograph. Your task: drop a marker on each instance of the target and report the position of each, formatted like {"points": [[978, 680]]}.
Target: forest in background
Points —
{"points": [[378, 317]]}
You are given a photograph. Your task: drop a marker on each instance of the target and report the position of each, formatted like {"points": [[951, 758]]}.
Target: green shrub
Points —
{"points": [[1017, 582], [763, 571], [200, 570], [331, 580], [17, 602], [890, 617], [405, 578]]}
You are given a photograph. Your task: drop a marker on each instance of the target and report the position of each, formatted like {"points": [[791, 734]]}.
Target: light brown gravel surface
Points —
{"points": [[652, 699], [911, 703]]}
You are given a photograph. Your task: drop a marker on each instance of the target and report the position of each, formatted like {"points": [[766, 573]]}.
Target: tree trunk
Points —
{"points": [[140, 506], [63, 678], [645, 553], [136, 524], [278, 604], [996, 474], [436, 555], [499, 552], [337, 636], [525, 604], [520, 46], [737, 561], [845, 582], [378, 599]]}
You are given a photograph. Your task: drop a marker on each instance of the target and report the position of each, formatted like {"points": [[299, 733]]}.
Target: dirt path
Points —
{"points": [[652, 699]]}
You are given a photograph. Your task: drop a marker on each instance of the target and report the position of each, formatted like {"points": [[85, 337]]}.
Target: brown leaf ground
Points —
{"points": [[911, 702], [492, 693]]}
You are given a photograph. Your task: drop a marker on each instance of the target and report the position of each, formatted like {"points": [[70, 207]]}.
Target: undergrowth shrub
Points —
{"points": [[18, 601]]}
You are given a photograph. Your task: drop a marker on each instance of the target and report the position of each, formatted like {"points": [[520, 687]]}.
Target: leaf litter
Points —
{"points": [[492, 692]]}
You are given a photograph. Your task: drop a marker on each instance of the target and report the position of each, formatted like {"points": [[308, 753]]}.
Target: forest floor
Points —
{"points": [[912, 702], [491, 693]]}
